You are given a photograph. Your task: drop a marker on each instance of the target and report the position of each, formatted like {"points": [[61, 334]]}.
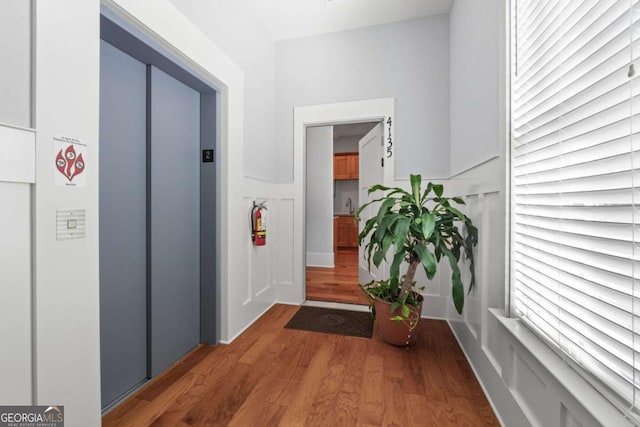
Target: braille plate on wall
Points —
{"points": [[71, 224]]}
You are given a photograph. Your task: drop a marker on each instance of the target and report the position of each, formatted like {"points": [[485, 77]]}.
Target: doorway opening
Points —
{"points": [[158, 290], [371, 110], [336, 155]]}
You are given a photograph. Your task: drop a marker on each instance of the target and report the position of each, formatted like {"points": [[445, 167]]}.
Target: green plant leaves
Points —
{"points": [[383, 188], [457, 289], [368, 226], [428, 224], [394, 271], [427, 191], [427, 259], [377, 258], [416, 180], [402, 228], [386, 225], [405, 311], [438, 189], [457, 213], [384, 208], [470, 241], [387, 240]]}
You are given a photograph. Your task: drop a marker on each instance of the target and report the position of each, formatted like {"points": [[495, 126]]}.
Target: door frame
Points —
{"points": [[380, 109]]}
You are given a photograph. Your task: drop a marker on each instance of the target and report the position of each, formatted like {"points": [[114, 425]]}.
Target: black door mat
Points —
{"points": [[331, 321]]}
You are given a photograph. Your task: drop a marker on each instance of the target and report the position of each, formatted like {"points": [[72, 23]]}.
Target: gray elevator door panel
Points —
{"points": [[175, 219], [123, 222]]}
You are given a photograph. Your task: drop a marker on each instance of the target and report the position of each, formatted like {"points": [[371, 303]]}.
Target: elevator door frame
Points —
{"points": [[129, 39]]}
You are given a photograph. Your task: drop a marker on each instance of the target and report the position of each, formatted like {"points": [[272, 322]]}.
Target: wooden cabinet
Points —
{"points": [[345, 166], [342, 236], [346, 232], [340, 166], [354, 167]]}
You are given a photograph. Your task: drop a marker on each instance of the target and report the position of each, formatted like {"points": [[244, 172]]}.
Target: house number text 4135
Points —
{"points": [[389, 139]]}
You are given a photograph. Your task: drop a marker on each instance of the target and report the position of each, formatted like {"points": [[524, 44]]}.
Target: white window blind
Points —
{"points": [[575, 154]]}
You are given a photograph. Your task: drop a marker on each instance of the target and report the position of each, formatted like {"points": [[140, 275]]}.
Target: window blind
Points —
{"points": [[575, 152]]}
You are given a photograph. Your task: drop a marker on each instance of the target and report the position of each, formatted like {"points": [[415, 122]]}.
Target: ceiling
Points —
{"points": [[357, 129], [286, 19]]}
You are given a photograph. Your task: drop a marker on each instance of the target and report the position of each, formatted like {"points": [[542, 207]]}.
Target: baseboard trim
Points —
{"points": [[320, 259], [229, 341]]}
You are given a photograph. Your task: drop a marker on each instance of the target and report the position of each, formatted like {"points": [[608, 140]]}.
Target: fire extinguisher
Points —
{"points": [[258, 224]]}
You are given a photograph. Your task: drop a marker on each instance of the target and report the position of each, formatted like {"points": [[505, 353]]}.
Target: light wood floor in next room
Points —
{"points": [[271, 376], [338, 284]]}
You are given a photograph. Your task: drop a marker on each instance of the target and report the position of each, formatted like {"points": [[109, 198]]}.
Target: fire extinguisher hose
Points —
{"points": [[253, 225]]}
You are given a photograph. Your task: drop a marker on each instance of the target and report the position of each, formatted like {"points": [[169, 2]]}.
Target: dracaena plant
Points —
{"points": [[418, 228]]}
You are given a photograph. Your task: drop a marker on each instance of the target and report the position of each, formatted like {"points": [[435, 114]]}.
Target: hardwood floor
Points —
{"points": [[271, 376], [338, 284]]}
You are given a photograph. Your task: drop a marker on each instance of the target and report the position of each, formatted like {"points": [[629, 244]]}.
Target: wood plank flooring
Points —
{"points": [[271, 376], [338, 284]]}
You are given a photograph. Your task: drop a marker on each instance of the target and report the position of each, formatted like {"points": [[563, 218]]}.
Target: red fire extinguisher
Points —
{"points": [[258, 224]]}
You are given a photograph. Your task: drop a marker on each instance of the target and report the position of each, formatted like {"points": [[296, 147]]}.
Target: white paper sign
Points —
{"points": [[69, 157]]}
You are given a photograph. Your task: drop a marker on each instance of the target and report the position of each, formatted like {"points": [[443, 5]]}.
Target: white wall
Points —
{"points": [[474, 28], [15, 72], [346, 144], [408, 61], [319, 196], [234, 27]]}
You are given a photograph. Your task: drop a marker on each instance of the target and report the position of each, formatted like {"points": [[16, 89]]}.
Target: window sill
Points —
{"points": [[599, 407]]}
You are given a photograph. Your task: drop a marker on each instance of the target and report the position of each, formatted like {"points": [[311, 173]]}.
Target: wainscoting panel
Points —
{"points": [[286, 256], [247, 254], [15, 293], [260, 268], [529, 390], [17, 155]]}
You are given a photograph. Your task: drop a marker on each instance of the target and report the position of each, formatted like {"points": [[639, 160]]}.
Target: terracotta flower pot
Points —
{"points": [[397, 332]]}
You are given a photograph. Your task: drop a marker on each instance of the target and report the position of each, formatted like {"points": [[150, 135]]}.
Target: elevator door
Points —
{"points": [[175, 219], [123, 223], [149, 221]]}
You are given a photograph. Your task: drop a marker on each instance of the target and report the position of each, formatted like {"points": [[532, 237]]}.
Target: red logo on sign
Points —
{"points": [[68, 164]]}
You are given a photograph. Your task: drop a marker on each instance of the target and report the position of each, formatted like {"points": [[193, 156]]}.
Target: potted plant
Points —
{"points": [[419, 228]]}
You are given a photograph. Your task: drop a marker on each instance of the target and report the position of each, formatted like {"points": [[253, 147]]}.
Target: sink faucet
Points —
{"points": [[349, 205]]}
